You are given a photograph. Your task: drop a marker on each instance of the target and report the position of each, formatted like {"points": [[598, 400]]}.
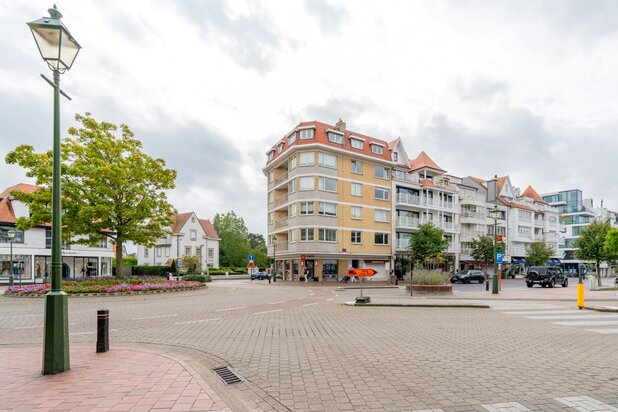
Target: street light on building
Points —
{"points": [[11, 235], [58, 49], [495, 213]]}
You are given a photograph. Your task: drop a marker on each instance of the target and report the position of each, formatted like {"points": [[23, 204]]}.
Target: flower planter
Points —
{"points": [[431, 290]]}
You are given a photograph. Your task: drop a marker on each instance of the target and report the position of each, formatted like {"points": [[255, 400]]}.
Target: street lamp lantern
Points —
{"points": [[11, 235], [495, 214], [58, 49], [56, 45]]}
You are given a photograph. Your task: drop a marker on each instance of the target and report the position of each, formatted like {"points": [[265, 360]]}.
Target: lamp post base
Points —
{"points": [[11, 280], [56, 334], [494, 284]]}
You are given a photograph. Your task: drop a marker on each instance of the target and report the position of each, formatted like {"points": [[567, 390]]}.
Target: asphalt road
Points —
{"points": [[299, 348]]}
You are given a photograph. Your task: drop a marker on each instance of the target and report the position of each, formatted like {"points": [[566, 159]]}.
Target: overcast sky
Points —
{"points": [[528, 89]]}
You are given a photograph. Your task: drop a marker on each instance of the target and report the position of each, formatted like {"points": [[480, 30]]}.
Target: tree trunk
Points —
{"points": [[119, 262], [599, 283]]}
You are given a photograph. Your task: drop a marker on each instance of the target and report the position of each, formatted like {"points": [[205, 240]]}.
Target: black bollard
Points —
{"points": [[102, 330]]}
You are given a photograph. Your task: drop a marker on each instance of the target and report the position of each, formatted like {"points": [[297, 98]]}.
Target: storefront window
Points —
{"points": [[329, 269], [21, 266]]}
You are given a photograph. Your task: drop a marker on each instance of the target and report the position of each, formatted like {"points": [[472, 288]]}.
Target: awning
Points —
{"points": [[554, 262], [518, 261]]}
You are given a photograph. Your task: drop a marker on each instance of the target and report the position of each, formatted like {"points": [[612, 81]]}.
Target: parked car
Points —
{"points": [[546, 276], [470, 275], [260, 276]]}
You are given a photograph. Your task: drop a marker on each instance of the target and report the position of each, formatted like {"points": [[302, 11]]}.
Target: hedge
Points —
{"points": [[151, 270]]}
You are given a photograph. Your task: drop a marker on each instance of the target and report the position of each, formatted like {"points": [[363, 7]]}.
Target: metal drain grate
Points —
{"points": [[228, 375]]}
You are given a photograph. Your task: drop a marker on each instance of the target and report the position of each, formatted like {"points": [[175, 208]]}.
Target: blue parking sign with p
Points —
{"points": [[499, 257], [251, 258]]}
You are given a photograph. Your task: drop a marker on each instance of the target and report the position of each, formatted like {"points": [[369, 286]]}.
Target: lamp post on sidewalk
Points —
{"points": [[275, 258], [59, 50], [11, 235], [495, 214]]}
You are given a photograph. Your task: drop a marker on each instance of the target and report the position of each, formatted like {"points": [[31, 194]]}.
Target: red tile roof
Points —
{"points": [[321, 137], [179, 220], [479, 181], [533, 194], [7, 215], [209, 229], [423, 160], [426, 182], [22, 187]]}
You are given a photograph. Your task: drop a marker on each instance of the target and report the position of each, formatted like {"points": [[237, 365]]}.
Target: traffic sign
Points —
{"points": [[251, 258], [179, 263], [361, 272], [499, 258], [302, 258]]}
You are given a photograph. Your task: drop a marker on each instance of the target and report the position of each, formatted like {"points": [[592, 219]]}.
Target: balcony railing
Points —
{"points": [[414, 222], [408, 222], [474, 200], [472, 215], [473, 233], [402, 243], [280, 201], [405, 177], [538, 237], [539, 222], [282, 178], [423, 201], [281, 223]]}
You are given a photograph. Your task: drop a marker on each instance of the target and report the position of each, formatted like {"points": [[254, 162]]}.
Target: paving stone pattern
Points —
{"points": [[299, 348]]}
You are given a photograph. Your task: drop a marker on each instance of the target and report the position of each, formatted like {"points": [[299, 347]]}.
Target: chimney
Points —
{"points": [[340, 125]]}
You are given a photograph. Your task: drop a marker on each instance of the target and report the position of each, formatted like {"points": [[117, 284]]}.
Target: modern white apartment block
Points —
{"points": [[188, 236], [31, 257], [575, 214]]}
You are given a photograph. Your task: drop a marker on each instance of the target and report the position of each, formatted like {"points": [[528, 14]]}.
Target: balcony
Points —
{"points": [[405, 177], [538, 237], [281, 223], [409, 222], [280, 201], [280, 179], [452, 248], [539, 222], [472, 200], [472, 234], [414, 222], [402, 243], [409, 199], [416, 200]]}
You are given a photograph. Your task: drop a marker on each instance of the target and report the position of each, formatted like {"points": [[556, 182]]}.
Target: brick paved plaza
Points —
{"points": [[299, 348]]}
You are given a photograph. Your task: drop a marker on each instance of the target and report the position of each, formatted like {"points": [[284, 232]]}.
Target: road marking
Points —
{"points": [[310, 304], [238, 308], [506, 407], [268, 311], [588, 323], [547, 312], [28, 327], [196, 321], [276, 303], [605, 332], [328, 300], [154, 317], [304, 297], [586, 403]]}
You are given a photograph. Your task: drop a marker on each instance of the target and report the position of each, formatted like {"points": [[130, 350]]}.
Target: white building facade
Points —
{"points": [[31, 249], [188, 236]]}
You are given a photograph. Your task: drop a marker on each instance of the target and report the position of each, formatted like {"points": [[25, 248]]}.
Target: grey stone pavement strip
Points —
{"points": [[328, 356]]}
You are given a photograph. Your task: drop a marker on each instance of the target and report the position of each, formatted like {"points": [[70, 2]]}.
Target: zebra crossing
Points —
{"points": [[592, 321], [573, 403]]}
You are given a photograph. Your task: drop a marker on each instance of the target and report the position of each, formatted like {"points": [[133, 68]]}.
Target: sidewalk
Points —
{"points": [[119, 380]]}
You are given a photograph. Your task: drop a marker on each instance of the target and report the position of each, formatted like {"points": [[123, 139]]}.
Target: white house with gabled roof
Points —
{"points": [[188, 236]]}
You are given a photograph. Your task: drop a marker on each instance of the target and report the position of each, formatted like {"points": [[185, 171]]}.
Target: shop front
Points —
{"points": [[37, 268]]}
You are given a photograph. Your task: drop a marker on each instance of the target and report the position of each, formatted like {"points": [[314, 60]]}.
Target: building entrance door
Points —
{"points": [[309, 269]]}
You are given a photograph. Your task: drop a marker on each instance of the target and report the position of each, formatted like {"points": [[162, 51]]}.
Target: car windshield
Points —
{"points": [[464, 272]]}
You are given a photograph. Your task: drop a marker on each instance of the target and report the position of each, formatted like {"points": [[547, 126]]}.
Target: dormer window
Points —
{"points": [[291, 138], [376, 149], [395, 156], [306, 134], [280, 148], [271, 155], [356, 143], [335, 138]]}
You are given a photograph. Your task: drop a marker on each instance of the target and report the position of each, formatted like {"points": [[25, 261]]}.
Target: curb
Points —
{"points": [[420, 305], [86, 295], [610, 309], [366, 287]]}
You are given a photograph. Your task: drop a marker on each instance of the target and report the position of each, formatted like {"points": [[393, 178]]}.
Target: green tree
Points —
{"points": [[234, 244], [483, 249], [611, 243], [191, 264], [539, 253], [427, 245], [174, 268], [110, 187], [256, 241], [590, 245]]}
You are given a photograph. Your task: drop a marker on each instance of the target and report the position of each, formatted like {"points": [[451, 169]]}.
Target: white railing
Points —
{"points": [[282, 200], [408, 198], [538, 237], [472, 215], [402, 243], [408, 222], [424, 201], [475, 200], [538, 222], [473, 233], [281, 223], [281, 178], [405, 177]]}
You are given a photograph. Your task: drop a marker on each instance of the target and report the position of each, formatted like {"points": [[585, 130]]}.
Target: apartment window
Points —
{"points": [[381, 215], [307, 183], [167, 251], [280, 148], [192, 219], [306, 134], [357, 189], [187, 251], [381, 172], [159, 252], [357, 144], [306, 208], [335, 138], [356, 212], [292, 236], [198, 251], [271, 155], [211, 253], [525, 215], [102, 243], [327, 209], [376, 149], [146, 252], [327, 160], [307, 159], [293, 185], [293, 163], [355, 237], [292, 212], [523, 230], [381, 239], [193, 234], [357, 167], [327, 235], [306, 234], [327, 184], [291, 138], [395, 156], [381, 193]]}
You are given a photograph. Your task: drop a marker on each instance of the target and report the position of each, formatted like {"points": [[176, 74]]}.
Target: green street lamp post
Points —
{"points": [[58, 49], [275, 258], [495, 214], [11, 235]]}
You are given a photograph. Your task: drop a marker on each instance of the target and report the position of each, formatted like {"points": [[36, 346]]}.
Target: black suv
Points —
{"points": [[546, 276]]}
